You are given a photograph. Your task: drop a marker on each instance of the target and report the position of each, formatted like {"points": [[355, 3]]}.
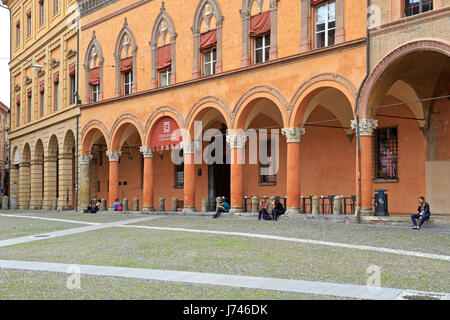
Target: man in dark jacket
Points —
{"points": [[277, 209]]}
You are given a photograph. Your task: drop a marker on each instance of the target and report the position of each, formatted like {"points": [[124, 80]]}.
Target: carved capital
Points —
{"points": [[366, 126], [146, 152], [84, 159], [293, 134], [236, 141], [189, 147], [113, 155]]}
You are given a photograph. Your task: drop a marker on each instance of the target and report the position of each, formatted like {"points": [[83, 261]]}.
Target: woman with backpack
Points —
{"points": [[118, 206]]}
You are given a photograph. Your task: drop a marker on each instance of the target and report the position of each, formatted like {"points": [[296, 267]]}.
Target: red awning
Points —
{"points": [[29, 92], [208, 40], [41, 1], [260, 24], [126, 64], [165, 135], [72, 70], [316, 2], [18, 100], [29, 13], [164, 57], [41, 86], [94, 76], [56, 77]]}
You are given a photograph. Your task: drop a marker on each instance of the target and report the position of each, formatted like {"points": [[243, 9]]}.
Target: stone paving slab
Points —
{"points": [[66, 232], [299, 286]]}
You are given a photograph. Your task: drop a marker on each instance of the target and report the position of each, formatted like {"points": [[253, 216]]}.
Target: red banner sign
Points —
{"points": [[165, 135]]}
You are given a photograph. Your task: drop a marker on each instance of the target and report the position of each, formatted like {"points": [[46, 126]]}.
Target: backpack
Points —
{"points": [[119, 207]]}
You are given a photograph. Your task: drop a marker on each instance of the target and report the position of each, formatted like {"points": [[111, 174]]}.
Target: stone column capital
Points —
{"points": [[146, 152], [189, 147], [236, 141], [84, 159], [366, 126], [113, 155], [293, 134]]}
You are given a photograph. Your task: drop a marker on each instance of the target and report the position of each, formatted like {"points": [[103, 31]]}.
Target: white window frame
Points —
{"points": [[262, 48], [327, 29], [56, 97], [164, 76], [95, 92], [29, 107], [29, 25], [127, 82], [18, 34], [41, 8], [42, 102], [210, 65]]}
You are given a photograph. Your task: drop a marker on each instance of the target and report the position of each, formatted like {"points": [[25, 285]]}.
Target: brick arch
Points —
{"points": [[118, 125], [440, 46], [88, 131], [254, 93], [208, 102], [320, 81], [158, 114]]}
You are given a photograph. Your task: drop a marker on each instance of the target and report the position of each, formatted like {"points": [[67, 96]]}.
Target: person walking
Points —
{"points": [[423, 213]]}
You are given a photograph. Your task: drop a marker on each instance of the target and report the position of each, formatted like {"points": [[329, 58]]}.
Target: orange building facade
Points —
{"points": [[298, 70]]}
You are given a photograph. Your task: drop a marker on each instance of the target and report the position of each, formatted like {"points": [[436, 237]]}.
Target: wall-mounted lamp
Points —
{"points": [[37, 65]]}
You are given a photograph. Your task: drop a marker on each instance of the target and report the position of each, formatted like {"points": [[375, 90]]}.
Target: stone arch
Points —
{"points": [[125, 42], [69, 142], [245, 12], [87, 134], [52, 146], [26, 153], [38, 150], [93, 53], [200, 16], [255, 93], [162, 25], [298, 106], [208, 102], [367, 93], [119, 128], [158, 114]]}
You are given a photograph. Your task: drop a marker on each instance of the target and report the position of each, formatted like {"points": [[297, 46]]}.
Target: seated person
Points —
{"points": [[223, 207], [118, 206], [91, 208], [277, 209], [99, 205], [423, 213], [264, 210]]}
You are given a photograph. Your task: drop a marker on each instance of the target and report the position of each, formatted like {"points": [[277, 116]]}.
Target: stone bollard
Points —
{"points": [[315, 205], [337, 209], [5, 203], [174, 204], [13, 202], [255, 204], [205, 205], [125, 204], [218, 200], [55, 204], [40, 202], [104, 204], [136, 204], [162, 206]]}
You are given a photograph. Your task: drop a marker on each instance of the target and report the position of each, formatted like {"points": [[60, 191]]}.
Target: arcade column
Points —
{"points": [[84, 180], [189, 175], [293, 136], [113, 157], [148, 179], [237, 146]]}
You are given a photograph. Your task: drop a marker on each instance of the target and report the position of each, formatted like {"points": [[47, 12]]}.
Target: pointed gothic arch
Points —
{"points": [[163, 25], [93, 59], [206, 9], [125, 43]]}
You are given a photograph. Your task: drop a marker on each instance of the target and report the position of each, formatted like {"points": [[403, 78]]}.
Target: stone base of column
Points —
{"points": [[234, 210], [148, 209], [34, 208], [365, 211], [293, 210], [188, 209]]}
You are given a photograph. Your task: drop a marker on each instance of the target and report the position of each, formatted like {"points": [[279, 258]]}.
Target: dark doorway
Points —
{"points": [[219, 175]]}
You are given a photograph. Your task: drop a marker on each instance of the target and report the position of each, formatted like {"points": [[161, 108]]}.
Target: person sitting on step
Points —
{"points": [[423, 213]]}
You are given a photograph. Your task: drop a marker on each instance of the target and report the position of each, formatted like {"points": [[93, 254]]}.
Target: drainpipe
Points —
{"points": [[78, 116], [357, 114]]}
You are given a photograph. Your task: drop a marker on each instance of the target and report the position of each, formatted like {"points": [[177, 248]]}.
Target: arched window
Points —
{"points": [[93, 71], [259, 31], [163, 45], [207, 32], [125, 61]]}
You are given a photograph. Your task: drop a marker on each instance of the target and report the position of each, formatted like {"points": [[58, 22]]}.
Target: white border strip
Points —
{"points": [[308, 241]]}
